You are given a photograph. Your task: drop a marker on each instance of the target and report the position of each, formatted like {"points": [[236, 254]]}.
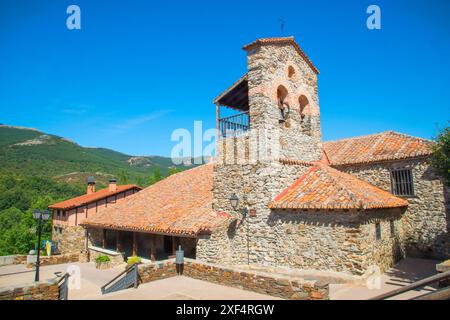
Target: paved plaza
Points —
{"points": [[184, 288]]}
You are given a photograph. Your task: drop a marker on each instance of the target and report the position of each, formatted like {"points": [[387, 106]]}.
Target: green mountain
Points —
{"points": [[38, 169], [29, 151]]}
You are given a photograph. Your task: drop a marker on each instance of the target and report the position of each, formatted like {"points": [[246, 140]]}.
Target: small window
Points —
{"points": [[291, 72], [392, 224], [402, 182], [378, 231]]}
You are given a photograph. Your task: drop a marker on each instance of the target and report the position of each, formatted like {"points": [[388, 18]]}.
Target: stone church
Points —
{"points": [[276, 195]]}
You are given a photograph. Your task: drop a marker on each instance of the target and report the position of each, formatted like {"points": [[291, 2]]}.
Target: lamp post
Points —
{"points": [[39, 215], [234, 201]]}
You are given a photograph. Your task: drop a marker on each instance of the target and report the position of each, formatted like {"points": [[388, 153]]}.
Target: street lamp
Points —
{"points": [[234, 200], [39, 215]]}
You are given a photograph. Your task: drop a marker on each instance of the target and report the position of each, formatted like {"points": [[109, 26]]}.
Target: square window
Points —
{"points": [[378, 231], [402, 182]]}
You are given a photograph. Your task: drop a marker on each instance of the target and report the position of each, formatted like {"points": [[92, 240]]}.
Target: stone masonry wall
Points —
{"points": [[330, 241], [268, 69], [388, 250], [13, 259], [115, 259], [256, 185], [44, 260], [424, 227], [157, 270], [265, 283], [70, 240], [57, 259], [257, 179], [44, 290]]}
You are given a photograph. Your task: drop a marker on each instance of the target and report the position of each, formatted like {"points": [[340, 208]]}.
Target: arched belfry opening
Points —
{"points": [[303, 103], [283, 105]]}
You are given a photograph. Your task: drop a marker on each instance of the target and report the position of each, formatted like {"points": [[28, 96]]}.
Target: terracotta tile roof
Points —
{"points": [[323, 187], [383, 146], [89, 198], [179, 204], [289, 40]]}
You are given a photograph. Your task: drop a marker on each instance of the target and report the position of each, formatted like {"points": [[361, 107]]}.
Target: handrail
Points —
{"points": [[417, 284], [127, 270], [441, 294], [235, 115], [63, 287], [63, 277]]}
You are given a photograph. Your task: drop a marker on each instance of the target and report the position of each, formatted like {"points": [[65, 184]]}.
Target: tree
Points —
{"points": [[173, 170], [19, 196], [440, 158], [140, 181], [123, 177], [156, 176]]}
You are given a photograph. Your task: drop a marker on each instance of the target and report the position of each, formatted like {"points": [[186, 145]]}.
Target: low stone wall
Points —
{"points": [[45, 260], [116, 258], [278, 286], [44, 290], [157, 270], [261, 282], [14, 259], [57, 259]]}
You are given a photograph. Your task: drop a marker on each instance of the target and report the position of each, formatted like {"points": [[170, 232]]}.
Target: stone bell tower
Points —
{"points": [[283, 95], [265, 146]]}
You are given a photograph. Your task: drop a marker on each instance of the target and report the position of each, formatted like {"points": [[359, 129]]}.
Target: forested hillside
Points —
{"points": [[37, 169]]}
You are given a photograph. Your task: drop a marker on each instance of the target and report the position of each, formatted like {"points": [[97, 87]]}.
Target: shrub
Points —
{"points": [[134, 259], [102, 259], [441, 154]]}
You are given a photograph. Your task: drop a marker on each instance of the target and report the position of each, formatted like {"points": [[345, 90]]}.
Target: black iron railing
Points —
{"points": [[63, 287], [126, 279], [441, 294], [234, 126]]}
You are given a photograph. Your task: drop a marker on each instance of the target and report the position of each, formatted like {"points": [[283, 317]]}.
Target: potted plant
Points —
{"points": [[102, 262]]}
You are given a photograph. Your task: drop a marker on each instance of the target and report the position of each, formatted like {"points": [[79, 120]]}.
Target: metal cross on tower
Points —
{"points": [[282, 21]]}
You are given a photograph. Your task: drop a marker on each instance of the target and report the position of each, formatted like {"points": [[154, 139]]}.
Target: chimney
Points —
{"points": [[90, 185], [112, 185]]}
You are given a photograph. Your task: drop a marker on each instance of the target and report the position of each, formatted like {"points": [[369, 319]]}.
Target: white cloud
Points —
{"points": [[139, 120]]}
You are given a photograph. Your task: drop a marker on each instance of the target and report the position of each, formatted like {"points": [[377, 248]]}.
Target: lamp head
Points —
{"points": [[234, 200]]}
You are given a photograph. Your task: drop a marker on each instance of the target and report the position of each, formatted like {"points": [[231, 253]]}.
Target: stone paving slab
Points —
{"points": [[91, 278], [407, 271], [184, 288]]}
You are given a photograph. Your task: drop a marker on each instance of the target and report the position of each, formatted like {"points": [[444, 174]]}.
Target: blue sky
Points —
{"points": [[137, 70]]}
